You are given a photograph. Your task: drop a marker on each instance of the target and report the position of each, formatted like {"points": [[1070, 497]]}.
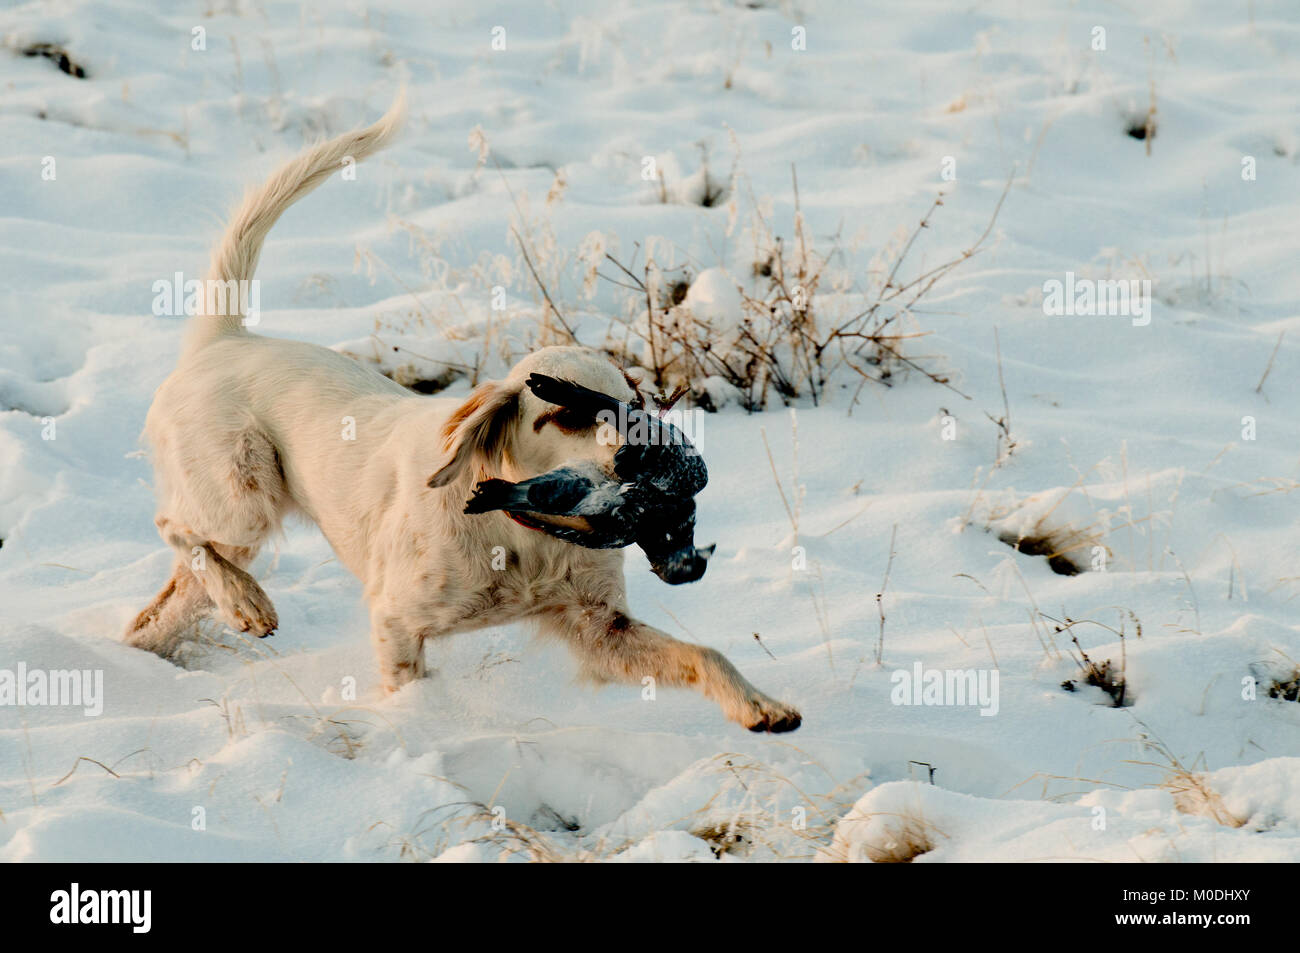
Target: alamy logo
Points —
{"points": [[58, 688], [639, 429], [1130, 298], [132, 907], [947, 687], [178, 296]]}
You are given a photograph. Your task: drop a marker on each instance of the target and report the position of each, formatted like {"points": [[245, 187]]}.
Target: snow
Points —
{"points": [[1130, 440]]}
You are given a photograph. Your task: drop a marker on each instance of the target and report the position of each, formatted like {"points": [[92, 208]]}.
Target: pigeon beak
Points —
{"points": [[685, 565]]}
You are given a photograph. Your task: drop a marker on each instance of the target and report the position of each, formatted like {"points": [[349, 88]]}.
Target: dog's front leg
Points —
{"points": [[615, 647], [399, 650]]}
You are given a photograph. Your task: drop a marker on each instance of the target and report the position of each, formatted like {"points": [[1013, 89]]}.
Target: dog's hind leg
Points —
{"points": [[240, 601], [207, 575], [219, 511], [174, 612], [183, 602]]}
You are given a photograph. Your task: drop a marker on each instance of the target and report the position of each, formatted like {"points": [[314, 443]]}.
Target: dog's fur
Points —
{"points": [[248, 429]]}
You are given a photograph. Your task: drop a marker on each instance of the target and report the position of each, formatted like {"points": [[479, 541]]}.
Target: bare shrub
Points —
{"points": [[778, 342], [1109, 678]]}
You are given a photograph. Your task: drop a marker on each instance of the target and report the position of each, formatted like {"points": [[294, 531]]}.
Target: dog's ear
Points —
{"points": [[479, 428]]}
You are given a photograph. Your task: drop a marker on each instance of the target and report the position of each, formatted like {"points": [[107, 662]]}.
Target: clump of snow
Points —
{"points": [[714, 300], [909, 821]]}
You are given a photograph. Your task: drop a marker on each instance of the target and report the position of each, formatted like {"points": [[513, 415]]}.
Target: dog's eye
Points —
{"points": [[567, 419]]}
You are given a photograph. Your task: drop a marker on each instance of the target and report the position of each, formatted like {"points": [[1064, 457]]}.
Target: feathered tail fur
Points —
{"points": [[235, 256]]}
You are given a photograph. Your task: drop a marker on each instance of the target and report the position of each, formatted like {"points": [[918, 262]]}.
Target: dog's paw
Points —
{"points": [[768, 714], [399, 674], [251, 612]]}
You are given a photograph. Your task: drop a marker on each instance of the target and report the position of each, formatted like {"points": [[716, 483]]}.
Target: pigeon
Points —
{"points": [[578, 503], [648, 499], [654, 450]]}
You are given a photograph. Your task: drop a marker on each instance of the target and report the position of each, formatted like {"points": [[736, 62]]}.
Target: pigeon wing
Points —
{"points": [[568, 394]]}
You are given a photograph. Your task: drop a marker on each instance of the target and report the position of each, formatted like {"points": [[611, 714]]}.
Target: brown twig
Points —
{"points": [[880, 596], [1259, 388], [540, 284]]}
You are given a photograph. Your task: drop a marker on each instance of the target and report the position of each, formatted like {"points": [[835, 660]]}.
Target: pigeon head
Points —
{"points": [[667, 536]]}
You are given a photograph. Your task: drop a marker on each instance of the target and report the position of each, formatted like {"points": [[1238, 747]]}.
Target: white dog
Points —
{"points": [[248, 429]]}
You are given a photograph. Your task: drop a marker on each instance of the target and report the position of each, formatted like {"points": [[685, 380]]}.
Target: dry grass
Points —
{"points": [[1104, 675], [1193, 795], [1280, 678], [906, 838], [1192, 792], [741, 818], [734, 837], [1068, 548], [1286, 688], [794, 335], [484, 825], [1059, 546], [781, 344], [896, 837]]}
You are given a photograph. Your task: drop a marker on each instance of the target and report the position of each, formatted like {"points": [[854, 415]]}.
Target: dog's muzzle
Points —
{"points": [[649, 498]]}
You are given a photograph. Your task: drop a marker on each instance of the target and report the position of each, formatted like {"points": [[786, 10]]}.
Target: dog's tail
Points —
{"points": [[235, 257]]}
